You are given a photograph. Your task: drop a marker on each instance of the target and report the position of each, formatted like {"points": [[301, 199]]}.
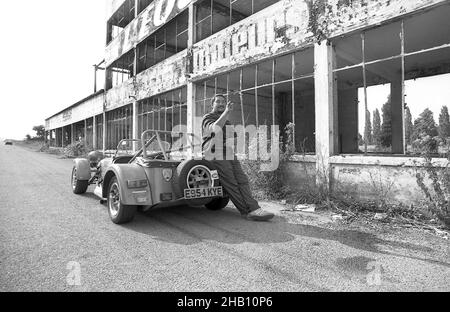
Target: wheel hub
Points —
{"points": [[199, 177]]}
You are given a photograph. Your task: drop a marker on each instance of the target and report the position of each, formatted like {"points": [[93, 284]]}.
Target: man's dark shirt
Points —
{"points": [[209, 134]]}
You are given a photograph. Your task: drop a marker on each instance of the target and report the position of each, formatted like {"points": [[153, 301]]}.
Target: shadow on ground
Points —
{"points": [[187, 226]]}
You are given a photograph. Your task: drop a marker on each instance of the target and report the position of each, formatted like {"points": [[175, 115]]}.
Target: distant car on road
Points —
{"points": [[150, 178], [8, 142]]}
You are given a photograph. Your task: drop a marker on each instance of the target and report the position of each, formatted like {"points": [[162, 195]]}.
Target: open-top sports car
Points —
{"points": [[153, 177]]}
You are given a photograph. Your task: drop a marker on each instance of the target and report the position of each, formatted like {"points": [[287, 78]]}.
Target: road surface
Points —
{"points": [[53, 240]]}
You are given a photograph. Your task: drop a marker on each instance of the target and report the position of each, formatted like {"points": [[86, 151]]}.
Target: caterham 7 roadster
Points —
{"points": [[150, 178]]}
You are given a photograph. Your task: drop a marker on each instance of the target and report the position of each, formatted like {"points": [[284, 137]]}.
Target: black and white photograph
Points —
{"points": [[225, 151]]}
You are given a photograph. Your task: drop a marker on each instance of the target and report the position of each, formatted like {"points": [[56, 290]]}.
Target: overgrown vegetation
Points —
{"points": [[273, 186], [77, 149], [437, 192], [270, 185]]}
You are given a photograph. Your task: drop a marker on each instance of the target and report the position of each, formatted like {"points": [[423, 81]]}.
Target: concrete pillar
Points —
{"points": [[72, 134], [85, 130], [94, 133], [192, 125], [105, 133], [135, 125], [326, 110], [63, 135], [398, 146]]}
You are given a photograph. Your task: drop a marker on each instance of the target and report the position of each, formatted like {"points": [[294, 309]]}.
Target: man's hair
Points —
{"points": [[216, 96]]}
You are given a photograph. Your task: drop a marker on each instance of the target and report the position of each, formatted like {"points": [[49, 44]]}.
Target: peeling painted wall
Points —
{"points": [[151, 19], [85, 110], [292, 24], [165, 76]]}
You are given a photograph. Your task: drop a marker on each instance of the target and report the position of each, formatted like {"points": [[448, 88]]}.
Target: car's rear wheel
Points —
{"points": [[118, 212], [218, 204], [78, 186]]}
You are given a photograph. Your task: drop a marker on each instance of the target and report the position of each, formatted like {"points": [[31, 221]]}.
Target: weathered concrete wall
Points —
{"points": [[165, 76], [151, 19], [391, 179], [301, 174], [292, 24], [85, 110]]}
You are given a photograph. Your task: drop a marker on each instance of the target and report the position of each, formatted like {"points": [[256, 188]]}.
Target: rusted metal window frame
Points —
{"points": [[293, 79], [145, 109], [402, 56], [150, 62]]}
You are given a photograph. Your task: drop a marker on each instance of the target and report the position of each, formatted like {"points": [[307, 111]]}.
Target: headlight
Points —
{"points": [[137, 184]]}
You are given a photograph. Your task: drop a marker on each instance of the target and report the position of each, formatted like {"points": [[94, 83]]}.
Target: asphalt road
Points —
{"points": [[53, 240]]}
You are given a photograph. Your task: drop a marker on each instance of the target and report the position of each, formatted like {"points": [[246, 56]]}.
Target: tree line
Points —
{"points": [[424, 134]]}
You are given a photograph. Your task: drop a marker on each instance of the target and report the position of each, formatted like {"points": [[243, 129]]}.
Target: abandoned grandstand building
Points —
{"points": [[357, 78]]}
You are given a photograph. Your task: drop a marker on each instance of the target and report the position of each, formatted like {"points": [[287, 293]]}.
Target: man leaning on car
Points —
{"points": [[232, 177]]}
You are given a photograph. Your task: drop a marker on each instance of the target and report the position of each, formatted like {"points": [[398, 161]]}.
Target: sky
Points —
{"points": [[47, 53]]}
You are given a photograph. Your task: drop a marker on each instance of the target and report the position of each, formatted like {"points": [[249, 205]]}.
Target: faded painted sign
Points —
{"points": [[277, 28], [289, 25], [67, 115], [165, 76], [153, 17], [82, 111]]}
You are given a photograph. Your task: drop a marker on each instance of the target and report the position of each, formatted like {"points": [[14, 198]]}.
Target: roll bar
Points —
{"points": [[158, 137]]}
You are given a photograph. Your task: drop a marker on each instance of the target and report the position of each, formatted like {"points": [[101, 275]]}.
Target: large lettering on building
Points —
{"points": [[278, 28], [153, 17], [165, 76], [289, 25]]}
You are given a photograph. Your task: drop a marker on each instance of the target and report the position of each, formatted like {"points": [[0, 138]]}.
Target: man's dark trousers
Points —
{"points": [[236, 184]]}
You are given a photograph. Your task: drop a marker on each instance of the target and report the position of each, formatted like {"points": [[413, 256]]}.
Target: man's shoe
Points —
{"points": [[260, 215]]}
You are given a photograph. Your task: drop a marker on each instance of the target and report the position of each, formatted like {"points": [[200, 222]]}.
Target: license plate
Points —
{"points": [[203, 192]]}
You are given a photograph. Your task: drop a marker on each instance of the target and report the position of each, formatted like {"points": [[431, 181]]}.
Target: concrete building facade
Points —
{"points": [[322, 65]]}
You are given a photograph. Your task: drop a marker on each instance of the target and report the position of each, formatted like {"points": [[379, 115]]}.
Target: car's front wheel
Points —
{"points": [[78, 186], [118, 212]]}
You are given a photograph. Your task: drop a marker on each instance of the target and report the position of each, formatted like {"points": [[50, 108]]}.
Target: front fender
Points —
{"points": [[83, 169], [125, 173]]}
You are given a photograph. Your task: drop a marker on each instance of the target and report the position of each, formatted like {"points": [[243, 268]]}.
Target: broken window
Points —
{"points": [[163, 112], [120, 19], [120, 71], [276, 92], [392, 86], [119, 126], [165, 42], [212, 16], [143, 4]]}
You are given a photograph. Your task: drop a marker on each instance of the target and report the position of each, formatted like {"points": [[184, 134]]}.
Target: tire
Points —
{"points": [[78, 186], [118, 212], [218, 204], [180, 179]]}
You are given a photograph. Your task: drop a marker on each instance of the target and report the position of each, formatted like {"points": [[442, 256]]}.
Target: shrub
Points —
{"points": [[77, 149], [438, 194], [270, 185]]}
